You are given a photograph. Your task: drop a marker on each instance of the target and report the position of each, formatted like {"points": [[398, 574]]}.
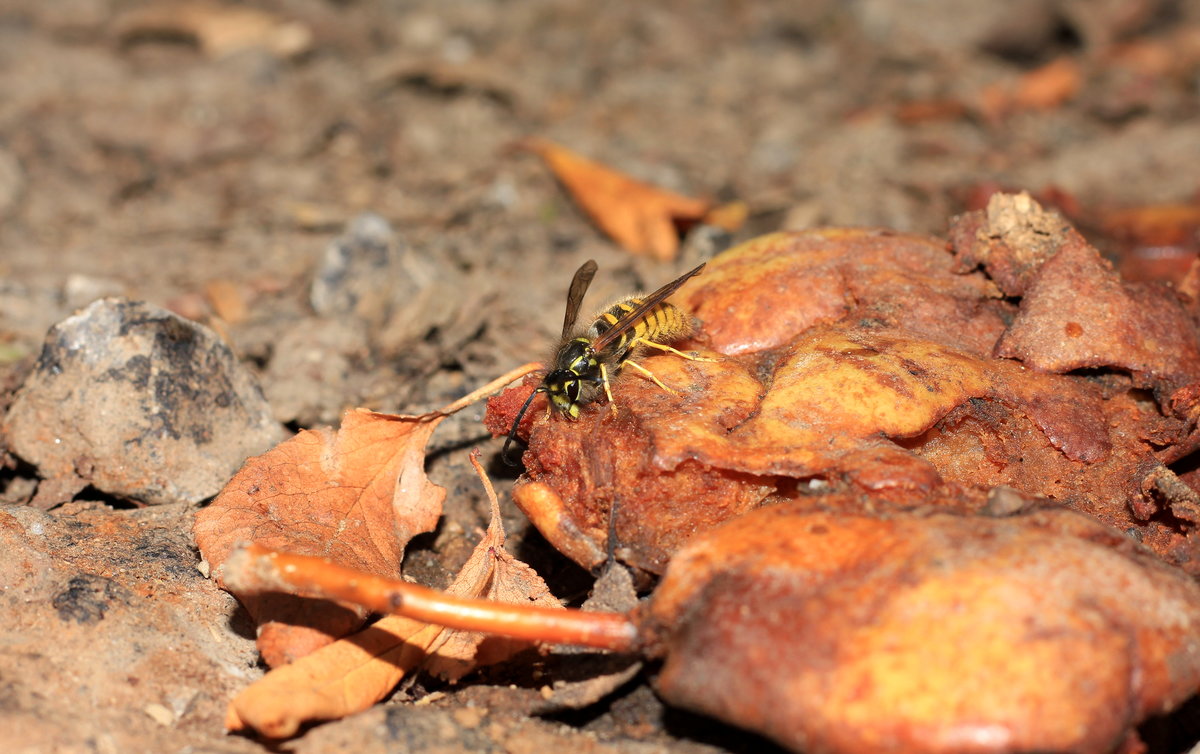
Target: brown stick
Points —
{"points": [[491, 387], [252, 569]]}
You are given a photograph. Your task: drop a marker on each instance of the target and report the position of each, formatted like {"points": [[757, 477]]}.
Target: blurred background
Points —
{"points": [[203, 155]]}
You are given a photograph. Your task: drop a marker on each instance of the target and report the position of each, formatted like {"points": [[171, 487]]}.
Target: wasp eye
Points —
{"points": [[573, 388]]}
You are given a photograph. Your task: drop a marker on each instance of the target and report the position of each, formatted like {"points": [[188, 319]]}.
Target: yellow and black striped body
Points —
{"points": [[582, 370], [664, 323]]}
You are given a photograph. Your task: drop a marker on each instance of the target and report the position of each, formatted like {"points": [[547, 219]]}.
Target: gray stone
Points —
{"points": [[139, 403], [360, 272]]}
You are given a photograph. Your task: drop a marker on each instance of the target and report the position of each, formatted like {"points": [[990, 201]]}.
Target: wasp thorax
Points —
{"points": [[575, 356]]}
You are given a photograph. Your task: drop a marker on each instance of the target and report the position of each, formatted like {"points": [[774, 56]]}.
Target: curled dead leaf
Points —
{"points": [[640, 217], [355, 496], [355, 672], [492, 574], [1156, 224], [218, 29], [337, 680], [1044, 88]]}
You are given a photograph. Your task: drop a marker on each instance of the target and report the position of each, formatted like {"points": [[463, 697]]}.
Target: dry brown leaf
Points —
{"points": [[1043, 88], [640, 217], [218, 30], [356, 496], [476, 76], [729, 217], [1170, 54], [493, 574], [1049, 86], [930, 110], [1155, 224], [227, 300], [340, 679], [352, 674]]}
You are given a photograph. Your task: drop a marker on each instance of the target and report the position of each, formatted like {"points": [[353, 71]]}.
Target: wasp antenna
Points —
{"points": [[512, 433]]}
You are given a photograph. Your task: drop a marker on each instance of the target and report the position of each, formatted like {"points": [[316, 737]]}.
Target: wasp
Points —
{"points": [[586, 359]]}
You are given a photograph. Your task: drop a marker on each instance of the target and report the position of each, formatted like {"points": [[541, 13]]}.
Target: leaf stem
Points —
{"points": [[253, 569], [491, 387]]}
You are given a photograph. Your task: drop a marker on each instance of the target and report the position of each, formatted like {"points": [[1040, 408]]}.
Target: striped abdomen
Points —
{"points": [[662, 324]]}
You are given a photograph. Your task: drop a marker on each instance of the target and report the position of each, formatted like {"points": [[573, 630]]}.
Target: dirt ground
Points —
{"points": [[206, 162]]}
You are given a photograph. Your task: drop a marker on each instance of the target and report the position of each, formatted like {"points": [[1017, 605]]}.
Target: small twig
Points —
{"points": [[487, 483], [253, 569], [492, 387]]}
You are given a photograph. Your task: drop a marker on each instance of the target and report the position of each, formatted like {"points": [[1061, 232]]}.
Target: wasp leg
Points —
{"points": [[663, 347], [612, 405], [649, 374]]}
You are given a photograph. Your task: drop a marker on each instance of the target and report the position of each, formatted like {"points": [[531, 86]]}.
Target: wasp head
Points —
{"points": [[568, 388], [564, 388]]}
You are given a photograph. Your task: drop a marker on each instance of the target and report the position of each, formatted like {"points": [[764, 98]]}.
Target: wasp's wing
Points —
{"points": [[632, 318], [579, 285]]}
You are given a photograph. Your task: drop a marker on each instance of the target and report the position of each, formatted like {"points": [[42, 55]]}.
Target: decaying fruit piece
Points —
{"points": [[835, 631], [879, 362], [835, 624]]}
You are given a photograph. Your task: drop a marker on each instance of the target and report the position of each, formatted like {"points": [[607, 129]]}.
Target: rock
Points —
{"points": [[139, 403], [361, 272], [369, 275]]}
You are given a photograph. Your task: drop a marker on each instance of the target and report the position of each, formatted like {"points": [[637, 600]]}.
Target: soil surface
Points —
{"points": [[331, 187]]}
